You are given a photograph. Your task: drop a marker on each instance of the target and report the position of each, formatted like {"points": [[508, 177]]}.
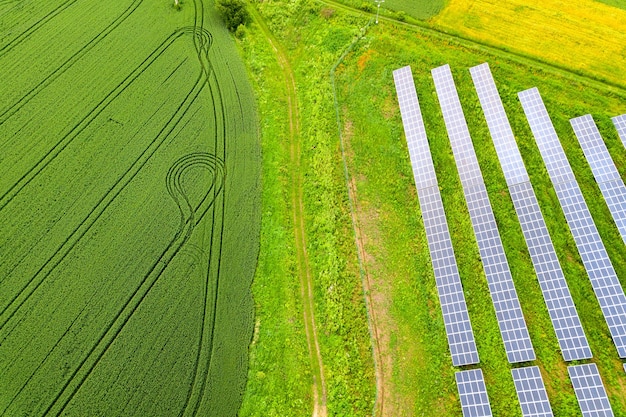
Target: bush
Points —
{"points": [[234, 13]]}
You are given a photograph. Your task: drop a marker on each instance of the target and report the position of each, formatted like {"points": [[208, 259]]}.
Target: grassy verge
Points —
{"points": [[339, 307], [280, 374]]}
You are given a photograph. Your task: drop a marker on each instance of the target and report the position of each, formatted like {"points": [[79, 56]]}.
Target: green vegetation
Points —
{"points": [[421, 10], [421, 375], [233, 12], [130, 210], [313, 44], [615, 3]]}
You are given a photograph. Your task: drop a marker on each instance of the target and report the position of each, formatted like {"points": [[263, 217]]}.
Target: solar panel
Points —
{"points": [[508, 310], [590, 391], [454, 308], [556, 294], [531, 392], [592, 251], [620, 125], [603, 168], [473, 393]]}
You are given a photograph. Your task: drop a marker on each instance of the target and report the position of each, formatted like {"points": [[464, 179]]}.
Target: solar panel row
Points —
{"points": [[454, 308], [620, 125], [517, 343], [473, 393], [565, 320], [590, 392], [531, 392], [603, 169], [592, 251]]}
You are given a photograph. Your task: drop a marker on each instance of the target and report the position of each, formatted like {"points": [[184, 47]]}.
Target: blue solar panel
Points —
{"points": [[620, 125], [565, 320], [592, 251], [473, 393], [505, 301], [454, 308], [531, 392], [590, 392], [603, 168]]}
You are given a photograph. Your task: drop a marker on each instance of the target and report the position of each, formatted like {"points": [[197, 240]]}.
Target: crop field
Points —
{"points": [[129, 210], [587, 38]]}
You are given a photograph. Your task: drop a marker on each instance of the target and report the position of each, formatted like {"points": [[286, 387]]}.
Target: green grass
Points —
{"points": [[130, 210], [382, 170], [421, 10], [313, 45], [621, 4], [280, 374], [418, 9]]}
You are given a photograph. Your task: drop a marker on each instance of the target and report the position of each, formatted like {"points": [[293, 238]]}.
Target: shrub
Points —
{"points": [[234, 13]]}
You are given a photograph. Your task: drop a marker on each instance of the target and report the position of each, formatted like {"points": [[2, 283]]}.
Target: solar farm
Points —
{"points": [[585, 378]]}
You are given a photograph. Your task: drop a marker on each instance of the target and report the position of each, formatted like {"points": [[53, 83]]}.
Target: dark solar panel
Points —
{"points": [[590, 391], [556, 294], [473, 393], [531, 392], [456, 319], [603, 168], [620, 125], [505, 301], [592, 251]]}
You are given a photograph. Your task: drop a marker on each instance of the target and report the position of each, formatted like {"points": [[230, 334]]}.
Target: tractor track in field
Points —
{"points": [[16, 106], [36, 280], [82, 124], [319, 389], [190, 217]]}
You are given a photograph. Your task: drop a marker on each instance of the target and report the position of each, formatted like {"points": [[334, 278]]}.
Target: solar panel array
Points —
{"points": [[473, 393], [531, 392], [603, 168], [590, 391], [620, 125], [511, 321], [456, 318], [592, 251], [558, 299]]}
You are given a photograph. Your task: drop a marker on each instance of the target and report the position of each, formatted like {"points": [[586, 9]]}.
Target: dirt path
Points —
{"points": [[302, 261]]}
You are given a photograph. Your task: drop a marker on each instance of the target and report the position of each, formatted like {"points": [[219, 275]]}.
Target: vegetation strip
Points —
{"points": [[304, 271]]}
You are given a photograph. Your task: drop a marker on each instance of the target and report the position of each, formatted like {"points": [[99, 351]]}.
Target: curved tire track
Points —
{"points": [[44, 271]]}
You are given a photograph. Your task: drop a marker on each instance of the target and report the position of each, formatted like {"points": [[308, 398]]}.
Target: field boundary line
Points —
{"points": [[517, 57], [302, 261]]}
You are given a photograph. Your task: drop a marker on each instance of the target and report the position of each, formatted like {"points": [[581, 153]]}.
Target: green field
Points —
{"points": [[421, 10], [130, 210], [615, 3], [419, 376]]}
